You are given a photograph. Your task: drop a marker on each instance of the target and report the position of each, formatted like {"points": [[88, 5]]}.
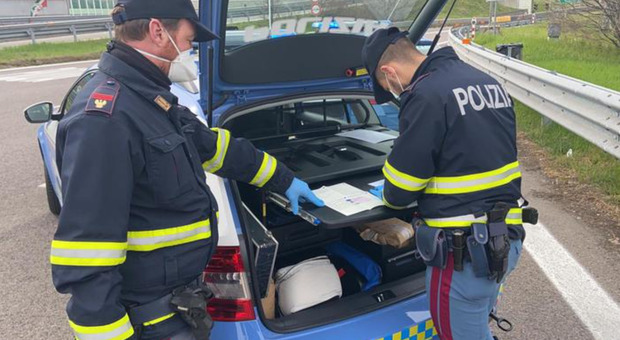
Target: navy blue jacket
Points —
{"points": [[456, 153], [138, 219]]}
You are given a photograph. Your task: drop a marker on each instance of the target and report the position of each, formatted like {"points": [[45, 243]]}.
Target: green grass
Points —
{"points": [[589, 163], [42, 53], [472, 8], [595, 62]]}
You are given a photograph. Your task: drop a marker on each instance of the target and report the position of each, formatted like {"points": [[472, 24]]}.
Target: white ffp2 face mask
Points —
{"points": [[397, 96], [183, 68]]}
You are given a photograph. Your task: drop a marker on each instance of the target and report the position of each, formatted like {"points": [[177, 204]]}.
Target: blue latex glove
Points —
{"points": [[300, 191], [377, 191]]}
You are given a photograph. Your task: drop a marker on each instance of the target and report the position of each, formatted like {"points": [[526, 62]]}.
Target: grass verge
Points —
{"points": [[46, 53], [572, 55]]}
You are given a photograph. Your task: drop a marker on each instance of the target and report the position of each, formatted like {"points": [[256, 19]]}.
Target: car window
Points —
{"points": [[249, 21], [342, 111], [388, 114], [77, 87], [303, 116]]}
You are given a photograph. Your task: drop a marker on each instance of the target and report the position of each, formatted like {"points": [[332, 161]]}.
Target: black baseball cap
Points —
{"points": [[163, 9], [373, 49]]}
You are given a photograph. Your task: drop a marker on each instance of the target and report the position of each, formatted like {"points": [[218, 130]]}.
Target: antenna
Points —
{"points": [[436, 39], [210, 87]]}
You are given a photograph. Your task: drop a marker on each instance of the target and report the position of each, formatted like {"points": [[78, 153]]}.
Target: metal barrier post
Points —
{"points": [[109, 27], [32, 36], [74, 31]]}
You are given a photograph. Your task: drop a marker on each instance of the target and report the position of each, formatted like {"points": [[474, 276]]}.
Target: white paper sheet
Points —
{"points": [[377, 183], [367, 135], [347, 199]]}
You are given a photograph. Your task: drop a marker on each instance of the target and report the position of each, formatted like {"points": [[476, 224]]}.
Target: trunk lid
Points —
{"points": [[271, 48]]}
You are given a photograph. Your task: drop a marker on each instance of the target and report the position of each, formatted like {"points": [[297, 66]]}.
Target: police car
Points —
{"points": [[293, 96]]}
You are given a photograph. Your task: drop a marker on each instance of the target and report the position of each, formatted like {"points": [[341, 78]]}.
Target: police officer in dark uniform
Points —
{"points": [[139, 224], [456, 155]]}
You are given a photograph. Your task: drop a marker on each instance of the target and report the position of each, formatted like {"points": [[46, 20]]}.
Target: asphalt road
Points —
{"points": [[566, 285]]}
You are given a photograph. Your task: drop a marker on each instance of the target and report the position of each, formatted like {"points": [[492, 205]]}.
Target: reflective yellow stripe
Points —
{"points": [[387, 204], [158, 320], [513, 217], [266, 171], [403, 180], [85, 262], [77, 253], [474, 182], [155, 239], [88, 245], [118, 330], [216, 163]]}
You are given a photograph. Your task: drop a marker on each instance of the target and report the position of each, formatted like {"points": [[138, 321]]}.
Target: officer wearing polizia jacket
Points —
{"points": [[457, 156], [139, 224]]}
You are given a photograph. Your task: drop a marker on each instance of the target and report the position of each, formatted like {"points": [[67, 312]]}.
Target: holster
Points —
{"points": [[476, 245], [498, 246], [191, 303], [432, 245]]}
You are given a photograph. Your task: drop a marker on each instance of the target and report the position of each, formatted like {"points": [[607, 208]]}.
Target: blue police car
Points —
{"points": [[293, 96]]}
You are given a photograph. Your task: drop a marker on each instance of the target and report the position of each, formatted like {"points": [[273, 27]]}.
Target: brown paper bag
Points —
{"points": [[393, 232]]}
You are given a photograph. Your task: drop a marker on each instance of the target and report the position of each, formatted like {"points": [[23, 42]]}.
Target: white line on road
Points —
{"points": [[592, 304], [37, 76], [47, 65]]}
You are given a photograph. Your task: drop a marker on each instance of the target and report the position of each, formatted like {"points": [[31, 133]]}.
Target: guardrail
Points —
{"points": [[588, 110], [47, 29], [45, 18], [516, 19]]}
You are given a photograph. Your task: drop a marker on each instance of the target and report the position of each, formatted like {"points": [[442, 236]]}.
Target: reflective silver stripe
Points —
{"points": [[456, 221], [474, 182], [215, 163], [267, 169], [88, 253], [119, 330], [167, 238], [513, 217], [160, 238], [401, 181]]}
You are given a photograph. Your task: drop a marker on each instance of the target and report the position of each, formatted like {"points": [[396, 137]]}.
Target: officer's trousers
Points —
{"points": [[460, 303], [185, 334]]}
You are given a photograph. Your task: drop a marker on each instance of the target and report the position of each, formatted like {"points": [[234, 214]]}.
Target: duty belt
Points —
{"points": [[189, 301], [515, 216]]}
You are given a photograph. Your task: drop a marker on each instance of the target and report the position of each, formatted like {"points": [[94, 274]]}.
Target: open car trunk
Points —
{"points": [[301, 133]]}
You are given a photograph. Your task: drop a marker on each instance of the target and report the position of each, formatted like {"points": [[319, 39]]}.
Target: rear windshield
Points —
{"points": [[254, 20], [304, 116]]}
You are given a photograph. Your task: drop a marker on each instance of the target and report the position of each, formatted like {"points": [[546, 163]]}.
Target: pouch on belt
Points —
{"points": [[432, 245], [476, 244]]}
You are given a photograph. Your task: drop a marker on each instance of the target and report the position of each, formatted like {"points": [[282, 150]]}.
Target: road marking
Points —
{"points": [[47, 65], [41, 185], [38, 76], [593, 305]]}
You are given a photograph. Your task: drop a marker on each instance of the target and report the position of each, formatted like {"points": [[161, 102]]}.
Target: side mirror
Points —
{"points": [[39, 113]]}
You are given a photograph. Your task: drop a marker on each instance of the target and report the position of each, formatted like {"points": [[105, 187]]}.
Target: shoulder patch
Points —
{"points": [[104, 97]]}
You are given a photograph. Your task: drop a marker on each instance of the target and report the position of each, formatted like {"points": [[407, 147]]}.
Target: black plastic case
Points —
{"points": [[395, 263]]}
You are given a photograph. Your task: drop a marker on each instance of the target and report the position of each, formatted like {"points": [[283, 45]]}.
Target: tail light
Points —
{"points": [[225, 276]]}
